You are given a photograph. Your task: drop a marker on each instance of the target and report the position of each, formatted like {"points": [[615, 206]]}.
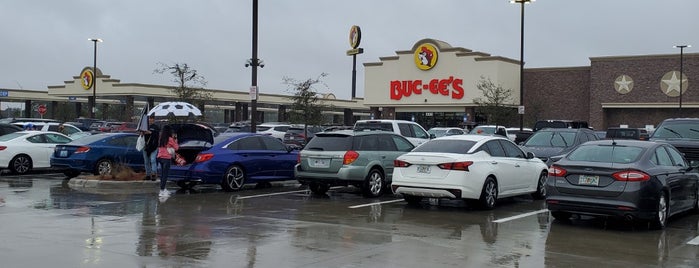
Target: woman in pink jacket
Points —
{"points": [[167, 139]]}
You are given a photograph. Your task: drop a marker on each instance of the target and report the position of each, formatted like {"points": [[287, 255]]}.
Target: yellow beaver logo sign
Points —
{"points": [[87, 77], [425, 57]]}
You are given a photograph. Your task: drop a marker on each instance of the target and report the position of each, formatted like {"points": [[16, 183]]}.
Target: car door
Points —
{"points": [[687, 181], [527, 174], [46, 143], [503, 167], [278, 159], [673, 177], [251, 153]]}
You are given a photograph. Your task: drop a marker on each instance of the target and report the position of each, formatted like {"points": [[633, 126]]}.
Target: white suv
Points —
{"points": [[408, 129]]}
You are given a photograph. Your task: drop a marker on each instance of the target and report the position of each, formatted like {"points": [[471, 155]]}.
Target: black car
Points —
{"points": [[554, 142], [683, 133], [298, 136], [626, 133], [628, 179]]}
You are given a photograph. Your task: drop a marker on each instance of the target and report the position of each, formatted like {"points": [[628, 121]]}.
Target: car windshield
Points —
{"points": [[88, 139], [330, 143], [551, 139], [445, 146], [687, 130], [606, 154]]}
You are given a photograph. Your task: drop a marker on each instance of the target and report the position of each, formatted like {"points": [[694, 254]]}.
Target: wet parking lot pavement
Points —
{"points": [[44, 223]]}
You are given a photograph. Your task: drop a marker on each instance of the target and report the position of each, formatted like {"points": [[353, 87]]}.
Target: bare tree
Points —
{"points": [[306, 106], [189, 83], [496, 102]]}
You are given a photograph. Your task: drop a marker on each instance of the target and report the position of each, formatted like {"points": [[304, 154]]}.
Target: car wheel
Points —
{"points": [[561, 215], [71, 173], [374, 184], [541, 187], [412, 200], [489, 194], [660, 219], [318, 188], [21, 164], [186, 185], [233, 179], [104, 167]]}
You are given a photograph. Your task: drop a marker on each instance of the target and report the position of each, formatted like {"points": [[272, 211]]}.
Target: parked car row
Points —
{"points": [[575, 172]]}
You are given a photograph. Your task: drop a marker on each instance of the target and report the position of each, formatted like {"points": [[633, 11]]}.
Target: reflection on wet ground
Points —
{"points": [[259, 228]]}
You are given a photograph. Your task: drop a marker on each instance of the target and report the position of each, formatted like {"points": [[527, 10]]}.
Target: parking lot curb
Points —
{"points": [[110, 186]]}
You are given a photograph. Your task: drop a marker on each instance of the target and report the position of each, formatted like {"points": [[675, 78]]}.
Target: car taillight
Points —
{"points": [[203, 157], [400, 164], [82, 149], [3, 148], [456, 165], [631, 175], [556, 171], [350, 157]]}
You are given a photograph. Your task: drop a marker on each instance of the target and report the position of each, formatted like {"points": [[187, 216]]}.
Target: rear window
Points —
{"points": [[281, 128], [330, 143], [606, 154], [623, 133], [261, 128], [445, 146], [373, 126], [296, 131]]}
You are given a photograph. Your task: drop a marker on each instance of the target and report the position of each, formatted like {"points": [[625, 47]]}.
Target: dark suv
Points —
{"points": [[683, 133]]}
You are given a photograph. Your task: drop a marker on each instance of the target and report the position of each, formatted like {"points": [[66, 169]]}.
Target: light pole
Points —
{"points": [[681, 47], [254, 62], [521, 63], [93, 101]]}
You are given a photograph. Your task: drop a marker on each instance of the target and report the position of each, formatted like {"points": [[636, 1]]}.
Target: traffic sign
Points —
{"points": [[41, 109]]}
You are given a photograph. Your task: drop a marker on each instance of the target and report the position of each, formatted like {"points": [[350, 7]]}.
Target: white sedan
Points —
{"points": [[480, 169], [23, 151]]}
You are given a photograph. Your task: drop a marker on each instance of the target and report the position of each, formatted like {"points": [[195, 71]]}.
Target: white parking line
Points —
{"points": [[279, 193], [520, 216], [377, 203], [694, 241]]}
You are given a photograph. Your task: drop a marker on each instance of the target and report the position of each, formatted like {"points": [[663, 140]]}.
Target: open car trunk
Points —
{"points": [[193, 138]]}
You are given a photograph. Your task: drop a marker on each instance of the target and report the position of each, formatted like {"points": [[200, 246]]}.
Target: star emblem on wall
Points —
{"points": [[623, 84], [670, 83]]}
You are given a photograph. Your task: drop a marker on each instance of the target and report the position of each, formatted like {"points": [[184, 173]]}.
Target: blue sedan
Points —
{"points": [[98, 154], [236, 159]]}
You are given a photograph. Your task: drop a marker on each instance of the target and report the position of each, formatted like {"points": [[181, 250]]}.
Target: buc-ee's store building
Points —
{"points": [[434, 84]]}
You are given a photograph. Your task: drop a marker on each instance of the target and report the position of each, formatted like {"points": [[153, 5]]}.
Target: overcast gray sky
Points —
{"points": [[44, 42]]}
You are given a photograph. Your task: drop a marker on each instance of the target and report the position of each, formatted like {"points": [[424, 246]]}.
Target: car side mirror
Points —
{"points": [[530, 155], [432, 136]]}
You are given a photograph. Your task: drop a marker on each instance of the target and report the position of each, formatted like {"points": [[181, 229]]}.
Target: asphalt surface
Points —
{"points": [[44, 223]]}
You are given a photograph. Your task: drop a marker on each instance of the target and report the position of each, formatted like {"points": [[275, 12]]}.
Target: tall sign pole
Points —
{"points": [[254, 62], [355, 37]]}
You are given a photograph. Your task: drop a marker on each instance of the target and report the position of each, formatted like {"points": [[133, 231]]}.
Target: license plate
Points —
{"points": [[588, 180], [423, 169], [319, 162], [63, 153]]}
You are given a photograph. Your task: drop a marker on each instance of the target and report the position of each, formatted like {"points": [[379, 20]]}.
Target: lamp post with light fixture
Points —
{"points": [[521, 63], [681, 47], [93, 101]]}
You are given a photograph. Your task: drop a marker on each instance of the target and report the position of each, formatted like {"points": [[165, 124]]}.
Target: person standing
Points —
{"points": [[167, 142], [150, 151]]}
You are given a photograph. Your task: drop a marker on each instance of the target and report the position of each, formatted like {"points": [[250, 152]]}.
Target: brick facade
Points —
{"points": [[588, 93]]}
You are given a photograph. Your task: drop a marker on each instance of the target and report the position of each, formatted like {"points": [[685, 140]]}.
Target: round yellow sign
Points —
{"points": [[87, 77], [355, 36], [425, 57]]}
